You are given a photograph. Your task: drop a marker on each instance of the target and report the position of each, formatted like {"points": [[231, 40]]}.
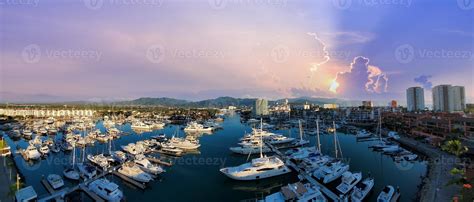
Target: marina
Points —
{"points": [[191, 167]]}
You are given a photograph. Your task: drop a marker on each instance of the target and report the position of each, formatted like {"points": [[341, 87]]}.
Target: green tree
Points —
{"points": [[454, 147]]}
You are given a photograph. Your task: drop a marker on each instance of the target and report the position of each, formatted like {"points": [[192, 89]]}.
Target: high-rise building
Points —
{"points": [[261, 107], [415, 99], [447, 98]]}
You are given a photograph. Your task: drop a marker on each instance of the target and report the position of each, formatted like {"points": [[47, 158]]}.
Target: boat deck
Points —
{"points": [[308, 177]]}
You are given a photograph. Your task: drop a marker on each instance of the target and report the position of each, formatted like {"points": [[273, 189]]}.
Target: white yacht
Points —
{"points": [[134, 149], [147, 166], [55, 181], [32, 153], [71, 174], [87, 171], [185, 144], [362, 189], [44, 150], [196, 127], [170, 150], [279, 139], [349, 180], [260, 168], [119, 156], [386, 194], [297, 192], [106, 190], [99, 160], [131, 170], [27, 134], [331, 171], [363, 134], [302, 153], [140, 126]]}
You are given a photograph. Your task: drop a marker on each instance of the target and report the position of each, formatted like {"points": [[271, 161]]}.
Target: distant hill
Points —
{"points": [[221, 102]]}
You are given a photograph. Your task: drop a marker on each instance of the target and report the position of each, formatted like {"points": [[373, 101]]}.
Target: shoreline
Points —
{"points": [[433, 186]]}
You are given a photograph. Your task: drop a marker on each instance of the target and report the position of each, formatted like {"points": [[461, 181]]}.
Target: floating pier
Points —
{"points": [[308, 177]]}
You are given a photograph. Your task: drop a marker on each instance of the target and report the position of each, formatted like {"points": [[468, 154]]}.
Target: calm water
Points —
{"points": [[196, 177]]}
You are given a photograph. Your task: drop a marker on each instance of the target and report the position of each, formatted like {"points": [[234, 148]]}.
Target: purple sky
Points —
{"points": [[121, 49]]}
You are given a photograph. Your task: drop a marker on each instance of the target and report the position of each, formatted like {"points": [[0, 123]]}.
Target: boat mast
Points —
{"points": [[317, 132], [261, 146], [335, 139], [301, 130]]}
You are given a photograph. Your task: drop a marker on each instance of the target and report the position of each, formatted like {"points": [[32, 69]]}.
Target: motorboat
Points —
{"points": [[331, 171], [87, 171], [362, 189], [32, 153], [55, 181], [279, 139], [147, 166], [131, 170], [170, 150], [363, 134], [134, 149], [71, 174], [27, 134], [391, 149], [99, 160], [297, 192], [349, 180], [301, 153], [119, 156], [140, 126], [386, 194], [106, 190], [259, 168], [185, 144], [44, 150], [196, 127]]}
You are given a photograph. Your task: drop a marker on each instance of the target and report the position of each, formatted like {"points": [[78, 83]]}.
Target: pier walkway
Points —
{"points": [[308, 177]]}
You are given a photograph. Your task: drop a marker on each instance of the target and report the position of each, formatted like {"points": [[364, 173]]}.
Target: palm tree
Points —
{"points": [[454, 147]]}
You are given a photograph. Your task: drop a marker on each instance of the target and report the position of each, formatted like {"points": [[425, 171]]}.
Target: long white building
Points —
{"points": [[415, 99], [46, 113], [447, 98]]}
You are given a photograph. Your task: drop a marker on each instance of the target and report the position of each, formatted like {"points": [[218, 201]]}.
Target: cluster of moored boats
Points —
{"points": [[309, 160]]}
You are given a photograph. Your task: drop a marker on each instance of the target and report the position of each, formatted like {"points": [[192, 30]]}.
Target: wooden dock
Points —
{"points": [[156, 160], [307, 176], [129, 180]]}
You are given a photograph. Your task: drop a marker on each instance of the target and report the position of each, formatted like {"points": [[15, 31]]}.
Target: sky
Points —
{"points": [[93, 50]]}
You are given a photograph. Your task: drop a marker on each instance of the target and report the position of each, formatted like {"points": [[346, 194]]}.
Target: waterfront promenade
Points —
{"points": [[7, 178], [440, 163]]}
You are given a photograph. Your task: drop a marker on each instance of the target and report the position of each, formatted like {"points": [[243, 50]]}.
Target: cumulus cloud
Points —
{"points": [[361, 79], [424, 80]]}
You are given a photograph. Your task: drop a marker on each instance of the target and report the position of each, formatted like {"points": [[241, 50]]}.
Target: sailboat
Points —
{"points": [[71, 173], [259, 168]]}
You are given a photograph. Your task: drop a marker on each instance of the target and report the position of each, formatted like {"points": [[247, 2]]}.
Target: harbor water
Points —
{"points": [[196, 176]]}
